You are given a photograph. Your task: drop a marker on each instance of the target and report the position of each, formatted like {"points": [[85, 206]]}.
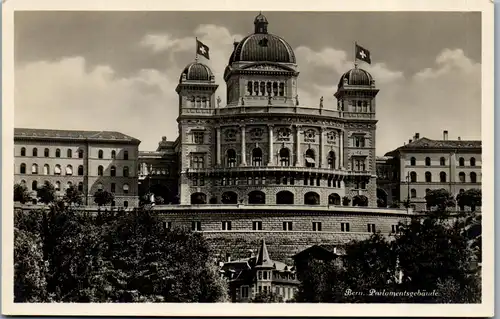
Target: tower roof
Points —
{"points": [[196, 71], [356, 76], [263, 260]]}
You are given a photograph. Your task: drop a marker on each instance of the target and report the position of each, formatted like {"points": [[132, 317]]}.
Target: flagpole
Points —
{"points": [[196, 45], [355, 59]]}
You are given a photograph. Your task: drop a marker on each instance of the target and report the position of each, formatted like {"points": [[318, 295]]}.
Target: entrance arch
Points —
{"points": [[256, 197], [284, 198], [229, 198], [311, 198], [198, 199]]}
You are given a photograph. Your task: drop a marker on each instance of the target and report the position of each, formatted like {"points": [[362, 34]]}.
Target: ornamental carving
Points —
{"points": [[331, 137], [284, 134], [310, 135], [230, 135], [256, 134]]}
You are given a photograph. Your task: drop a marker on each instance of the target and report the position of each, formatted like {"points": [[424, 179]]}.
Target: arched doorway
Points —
{"points": [[198, 199], [256, 197], [311, 198], [334, 199], [229, 198], [284, 198]]}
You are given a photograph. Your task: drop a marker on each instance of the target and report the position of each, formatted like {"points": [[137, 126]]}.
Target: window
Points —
{"points": [[57, 169], [58, 186], [70, 153], [265, 278], [358, 164], [256, 225], [100, 154], [69, 170], [428, 177], [284, 157], [316, 226], [472, 161], [35, 152], [331, 159], [442, 177], [80, 170], [344, 227], [125, 188], [427, 161], [473, 177], [244, 292], [310, 158], [371, 228], [113, 154], [112, 171], [46, 169], [231, 158], [287, 226], [198, 160], [22, 169], [58, 153], [34, 185], [394, 228], [100, 187], [461, 161], [113, 204], [100, 170], [461, 177], [80, 153], [359, 141], [256, 157], [125, 204], [413, 193], [198, 137], [226, 225], [46, 152], [113, 187], [125, 171], [34, 169], [413, 161], [442, 161], [196, 226], [23, 151], [413, 177], [80, 187], [125, 155]]}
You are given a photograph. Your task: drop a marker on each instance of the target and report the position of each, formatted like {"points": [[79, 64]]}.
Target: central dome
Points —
{"points": [[262, 46]]}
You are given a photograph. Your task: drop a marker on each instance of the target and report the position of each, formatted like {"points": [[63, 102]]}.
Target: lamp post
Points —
{"points": [[408, 200]]}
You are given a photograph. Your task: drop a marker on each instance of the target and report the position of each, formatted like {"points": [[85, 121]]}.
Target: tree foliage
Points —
{"points": [[21, 193], [471, 198], [267, 297], [439, 200], [73, 196], [360, 200], [103, 198], [46, 193]]}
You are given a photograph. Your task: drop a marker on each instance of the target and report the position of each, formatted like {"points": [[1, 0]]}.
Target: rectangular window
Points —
{"points": [[113, 187], [196, 226], [167, 225], [344, 227], [257, 225], [226, 225], [394, 228], [198, 137], [318, 182], [195, 181], [287, 226], [316, 226], [371, 228], [292, 180], [244, 292]]}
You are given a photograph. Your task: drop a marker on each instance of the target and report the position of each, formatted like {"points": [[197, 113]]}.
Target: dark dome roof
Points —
{"points": [[196, 72], [356, 76]]}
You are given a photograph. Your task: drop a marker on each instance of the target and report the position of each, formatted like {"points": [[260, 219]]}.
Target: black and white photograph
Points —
{"points": [[237, 156]]}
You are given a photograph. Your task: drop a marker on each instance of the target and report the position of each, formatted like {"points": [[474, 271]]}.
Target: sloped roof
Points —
{"points": [[425, 143], [263, 259], [108, 136]]}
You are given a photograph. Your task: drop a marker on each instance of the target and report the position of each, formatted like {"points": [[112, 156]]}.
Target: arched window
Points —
{"points": [[413, 161], [100, 170], [428, 177], [125, 171], [100, 154], [413, 177], [461, 161], [198, 199], [284, 157], [472, 161], [125, 188], [257, 157], [473, 177], [284, 198], [34, 169], [331, 159], [442, 177], [442, 161], [69, 170], [112, 171], [461, 177], [99, 187], [22, 169], [34, 185], [413, 193], [46, 169], [311, 198], [80, 153], [256, 197], [334, 199], [310, 158], [125, 155], [58, 186], [23, 151], [229, 198], [427, 161], [231, 158], [35, 152], [80, 170], [250, 87], [113, 154], [70, 153], [57, 169], [80, 186], [58, 153], [69, 185], [46, 152]]}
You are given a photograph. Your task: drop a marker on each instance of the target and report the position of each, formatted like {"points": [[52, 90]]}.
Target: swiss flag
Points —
{"points": [[202, 49], [363, 54]]}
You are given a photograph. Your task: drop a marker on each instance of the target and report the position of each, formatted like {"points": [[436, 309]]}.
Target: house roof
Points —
{"points": [[425, 143], [104, 136], [263, 260]]}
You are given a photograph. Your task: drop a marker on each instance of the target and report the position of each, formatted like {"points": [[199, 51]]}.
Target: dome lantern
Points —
{"points": [[260, 23]]}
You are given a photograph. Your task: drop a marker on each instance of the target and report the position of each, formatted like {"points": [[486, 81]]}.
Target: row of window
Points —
{"points": [[69, 153], [69, 170], [413, 192], [279, 180], [262, 88], [285, 292], [442, 177], [57, 186], [442, 161]]}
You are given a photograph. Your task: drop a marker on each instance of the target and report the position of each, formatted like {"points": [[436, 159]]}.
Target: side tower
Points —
{"points": [[196, 90], [355, 95]]}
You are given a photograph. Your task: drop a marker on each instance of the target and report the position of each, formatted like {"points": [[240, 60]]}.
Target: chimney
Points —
{"points": [[409, 141], [417, 136], [445, 135], [459, 138]]}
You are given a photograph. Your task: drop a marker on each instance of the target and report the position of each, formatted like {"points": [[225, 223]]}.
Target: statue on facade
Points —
{"points": [[242, 101], [286, 98], [321, 103], [297, 100], [269, 100], [218, 101]]}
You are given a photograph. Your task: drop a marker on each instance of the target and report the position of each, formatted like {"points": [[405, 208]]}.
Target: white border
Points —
{"points": [[481, 310]]}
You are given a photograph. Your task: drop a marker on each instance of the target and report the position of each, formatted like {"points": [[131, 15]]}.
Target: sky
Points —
{"points": [[119, 70]]}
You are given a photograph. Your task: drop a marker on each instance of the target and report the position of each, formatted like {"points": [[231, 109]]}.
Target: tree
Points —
{"points": [[102, 198], [360, 200], [440, 199], [46, 193], [159, 200], [73, 196], [21, 193], [471, 198], [267, 297]]}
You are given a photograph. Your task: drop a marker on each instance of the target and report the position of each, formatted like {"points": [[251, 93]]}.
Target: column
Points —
{"points": [[243, 146], [320, 153], [218, 146], [270, 127], [341, 150], [298, 159]]}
